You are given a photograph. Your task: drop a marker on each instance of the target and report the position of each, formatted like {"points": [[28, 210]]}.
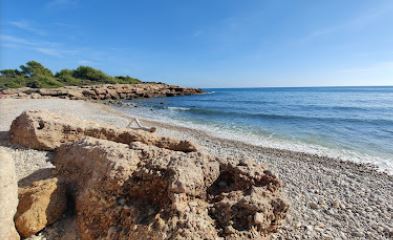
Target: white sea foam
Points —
{"points": [[233, 132], [178, 108]]}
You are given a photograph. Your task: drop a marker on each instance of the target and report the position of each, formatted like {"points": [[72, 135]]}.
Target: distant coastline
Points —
{"points": [[106, 93]]}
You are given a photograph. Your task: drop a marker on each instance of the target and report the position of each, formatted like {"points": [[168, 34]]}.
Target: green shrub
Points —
{"points": [[66, 77], [34, 69], [11, 73], [43, 82], [15, 82], [127, 80], [92, 74]]}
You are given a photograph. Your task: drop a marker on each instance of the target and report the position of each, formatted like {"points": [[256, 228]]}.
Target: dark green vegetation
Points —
{"points": [[35, 75]]}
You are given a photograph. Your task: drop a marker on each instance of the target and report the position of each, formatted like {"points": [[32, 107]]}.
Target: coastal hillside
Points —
{"points": [[33, 80], [35, 75]]}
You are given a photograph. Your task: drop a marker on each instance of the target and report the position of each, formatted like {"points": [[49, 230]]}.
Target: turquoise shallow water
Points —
{"points": [[354, 123]]}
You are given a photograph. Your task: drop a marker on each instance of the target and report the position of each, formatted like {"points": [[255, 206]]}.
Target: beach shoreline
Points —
{"points": [[330, 199], [324, 154]]}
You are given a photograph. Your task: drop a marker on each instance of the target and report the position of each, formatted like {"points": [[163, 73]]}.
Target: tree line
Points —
{"points": [[33, 74]]}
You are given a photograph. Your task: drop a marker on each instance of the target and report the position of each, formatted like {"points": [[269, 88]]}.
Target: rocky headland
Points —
{"points": [[101, 92]]}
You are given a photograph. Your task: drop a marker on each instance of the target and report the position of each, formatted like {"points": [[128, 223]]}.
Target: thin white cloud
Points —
{"points": [[61, 3], [197, 33], [86, 62], [64, 25], [15, 40], [52, 49], [386, 66], [377, 74], [26, 26], [24, 41], [9, 45], [321, 32], [359, 22], [49, 51], [47, 48]]}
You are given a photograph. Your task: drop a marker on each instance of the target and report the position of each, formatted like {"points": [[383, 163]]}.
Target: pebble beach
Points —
{"points": [[329, 198]]}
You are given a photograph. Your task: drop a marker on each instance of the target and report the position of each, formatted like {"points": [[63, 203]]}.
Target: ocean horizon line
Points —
{"points": [[333, 86]]}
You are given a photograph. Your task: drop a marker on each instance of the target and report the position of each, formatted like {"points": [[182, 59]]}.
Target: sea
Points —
{"points": [[349, 123]]}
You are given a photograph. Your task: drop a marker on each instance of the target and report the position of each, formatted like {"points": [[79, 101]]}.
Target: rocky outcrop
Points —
{"points": [[141, 191], [102, 92], [40, 204], [45, 130], [8, 197], [132, 184]]}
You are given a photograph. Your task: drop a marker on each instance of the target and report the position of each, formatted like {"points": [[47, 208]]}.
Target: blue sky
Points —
{"points": [[207, 43]]}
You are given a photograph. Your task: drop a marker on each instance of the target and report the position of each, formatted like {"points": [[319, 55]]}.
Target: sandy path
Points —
{"points": [[329, 199]]}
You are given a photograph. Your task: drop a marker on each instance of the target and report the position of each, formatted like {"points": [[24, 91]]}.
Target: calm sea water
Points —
{"points": [[352, 123]]}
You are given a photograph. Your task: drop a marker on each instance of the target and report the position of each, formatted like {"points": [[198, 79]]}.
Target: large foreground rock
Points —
{"points": [[141, 191], [44, 130], [40, 204], [8, 197]]}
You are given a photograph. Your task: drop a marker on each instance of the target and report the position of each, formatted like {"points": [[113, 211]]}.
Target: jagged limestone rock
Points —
{"points": [[141, 191], [44, 130]]}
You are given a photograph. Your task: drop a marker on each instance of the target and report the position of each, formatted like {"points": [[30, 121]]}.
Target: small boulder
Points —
{"points": [[40, 204]]}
